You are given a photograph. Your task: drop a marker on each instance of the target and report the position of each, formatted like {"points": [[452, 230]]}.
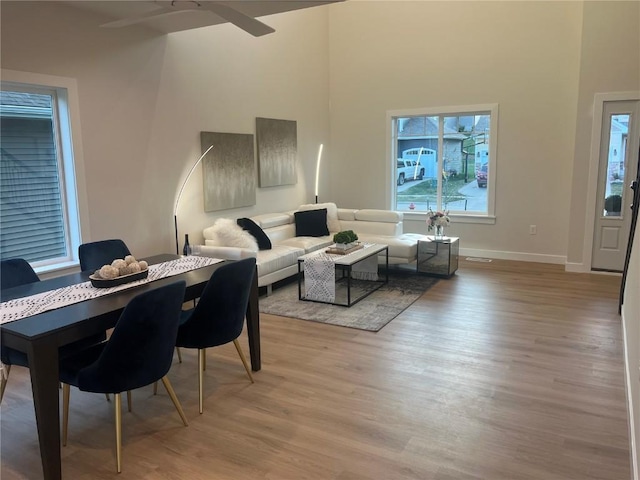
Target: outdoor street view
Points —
{"points": [[463, 177]]}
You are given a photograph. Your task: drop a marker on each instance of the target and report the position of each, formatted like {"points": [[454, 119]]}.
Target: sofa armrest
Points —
{"points": [[226, 253]]}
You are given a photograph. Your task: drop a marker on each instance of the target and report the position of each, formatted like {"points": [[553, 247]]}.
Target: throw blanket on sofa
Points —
{"points": [[319, 278]]}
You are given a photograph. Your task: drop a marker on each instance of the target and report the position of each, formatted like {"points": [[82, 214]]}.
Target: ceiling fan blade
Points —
{"points": [[240, 20], [141, 17]]}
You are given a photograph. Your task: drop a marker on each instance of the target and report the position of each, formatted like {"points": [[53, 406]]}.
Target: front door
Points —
{"points": [[617, 168]]}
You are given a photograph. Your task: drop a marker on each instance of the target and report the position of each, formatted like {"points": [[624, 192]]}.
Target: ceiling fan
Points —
{"points": [[168, 7]]}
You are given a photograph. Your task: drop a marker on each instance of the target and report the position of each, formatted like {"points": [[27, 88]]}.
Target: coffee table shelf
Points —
{"points": [[351, 290]]}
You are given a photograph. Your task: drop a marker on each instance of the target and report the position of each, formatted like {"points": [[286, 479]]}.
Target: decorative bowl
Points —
{"points": [[100, 282]]}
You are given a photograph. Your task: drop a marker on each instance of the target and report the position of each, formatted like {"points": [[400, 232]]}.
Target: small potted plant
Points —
{"points": [[345, 239]]}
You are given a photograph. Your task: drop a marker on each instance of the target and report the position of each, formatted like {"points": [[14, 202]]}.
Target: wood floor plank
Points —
{"points": [[506, 371]]}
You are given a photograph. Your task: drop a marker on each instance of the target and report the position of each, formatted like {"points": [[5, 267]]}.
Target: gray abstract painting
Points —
{"points": [[228, 171], [277, 151]]}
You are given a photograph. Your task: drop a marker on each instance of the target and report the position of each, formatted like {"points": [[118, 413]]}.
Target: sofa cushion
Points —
{"points": [[403, 246], [225, 232], [254, 229], [371, 215], [311, 223], [269, 220], [347, 214], [279, 257], [333, 223], [308, 244]]}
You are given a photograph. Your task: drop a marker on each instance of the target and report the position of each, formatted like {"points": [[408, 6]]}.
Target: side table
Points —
{"points": [[438, 257]]}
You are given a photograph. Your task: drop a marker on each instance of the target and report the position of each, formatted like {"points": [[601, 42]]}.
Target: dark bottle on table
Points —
{"points": [[186, 250]]}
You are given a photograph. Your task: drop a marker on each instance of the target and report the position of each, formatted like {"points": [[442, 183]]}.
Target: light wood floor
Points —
{"points": [[507, 371]]}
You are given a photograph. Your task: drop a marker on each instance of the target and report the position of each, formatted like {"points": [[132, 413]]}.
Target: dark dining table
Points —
{"points": [[41, 335]]}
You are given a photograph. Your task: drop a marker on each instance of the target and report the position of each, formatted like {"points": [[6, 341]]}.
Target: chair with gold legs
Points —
{"points": [[218, 318], [138, 353]]}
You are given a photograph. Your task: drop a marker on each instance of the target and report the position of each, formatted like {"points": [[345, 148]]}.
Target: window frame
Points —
{"points": [[457, 110], [66, 124]]}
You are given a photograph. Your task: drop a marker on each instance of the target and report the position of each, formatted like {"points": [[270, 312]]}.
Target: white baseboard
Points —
{"points": [[576, 267], [519, 256], [632, 430]]}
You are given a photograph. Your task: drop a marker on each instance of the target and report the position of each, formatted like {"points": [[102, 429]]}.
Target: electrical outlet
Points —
{"points": [[533, 229]]}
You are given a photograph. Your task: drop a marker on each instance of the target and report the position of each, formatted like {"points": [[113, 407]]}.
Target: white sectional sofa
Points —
{"points": [[279, 262]]}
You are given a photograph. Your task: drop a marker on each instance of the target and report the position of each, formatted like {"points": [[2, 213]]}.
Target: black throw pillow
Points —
{"points": [[254, 229], [311, 223]]}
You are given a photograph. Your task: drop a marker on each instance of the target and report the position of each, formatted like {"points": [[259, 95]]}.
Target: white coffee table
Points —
{"points": [[344, 265]]}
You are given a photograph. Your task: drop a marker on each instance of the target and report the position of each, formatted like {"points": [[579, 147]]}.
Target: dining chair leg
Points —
{"points": [[179, 354], [201, 356], [108, 397], [129, 399], [118, 412], [155, 388], [174, 399], [4, 379], [243, 358], [66, 392]]}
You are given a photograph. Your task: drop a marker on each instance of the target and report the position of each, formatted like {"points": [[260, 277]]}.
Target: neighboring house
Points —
{"points": [[423, 132]]}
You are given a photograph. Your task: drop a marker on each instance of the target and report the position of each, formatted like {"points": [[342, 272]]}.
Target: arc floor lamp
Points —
{"points": [[175, 208]]}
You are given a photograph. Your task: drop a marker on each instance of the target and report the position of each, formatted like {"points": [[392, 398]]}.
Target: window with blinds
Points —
{"points": [[33, 211]]}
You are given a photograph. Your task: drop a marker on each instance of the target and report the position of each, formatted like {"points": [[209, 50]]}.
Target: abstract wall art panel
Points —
{"points": [[277, 142], [228, 171]]}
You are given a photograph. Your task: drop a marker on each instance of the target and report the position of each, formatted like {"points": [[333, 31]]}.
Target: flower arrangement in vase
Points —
{"points": [[437, 221]]}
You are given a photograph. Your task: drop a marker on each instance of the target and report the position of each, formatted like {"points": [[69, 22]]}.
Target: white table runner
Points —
{"points": [[25, 307], [319, 278], [319, 273]]}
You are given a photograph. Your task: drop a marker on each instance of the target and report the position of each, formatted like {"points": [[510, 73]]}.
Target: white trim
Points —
{"points": [[594, 161], [628, 389], [455, 218], [391, 128], [574, 267], [518, 256], [392, 142]]}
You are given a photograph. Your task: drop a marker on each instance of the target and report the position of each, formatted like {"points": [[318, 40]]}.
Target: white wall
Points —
{"points": [[524, 56], [145, 98], [631, 319]]}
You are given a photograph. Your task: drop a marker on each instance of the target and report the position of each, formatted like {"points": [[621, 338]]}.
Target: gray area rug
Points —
{"points": [[372, 313]]}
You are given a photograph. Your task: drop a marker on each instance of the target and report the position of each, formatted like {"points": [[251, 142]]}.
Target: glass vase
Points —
{"points": [[439, 232]]}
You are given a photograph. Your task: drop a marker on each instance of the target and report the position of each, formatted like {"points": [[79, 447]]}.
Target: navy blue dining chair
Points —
{"points": [[15, 272], [218, 317], [94, 255], [138, 353]]}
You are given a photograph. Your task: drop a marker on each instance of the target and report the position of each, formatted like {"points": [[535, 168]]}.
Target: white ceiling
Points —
{"points": [[185, 20]]}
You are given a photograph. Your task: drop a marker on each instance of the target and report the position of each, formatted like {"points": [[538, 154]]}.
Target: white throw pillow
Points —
{"points": [[227, 233], [333, 224]]}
